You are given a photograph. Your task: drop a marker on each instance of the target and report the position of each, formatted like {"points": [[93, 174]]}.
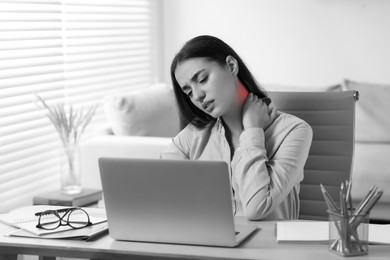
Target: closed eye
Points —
{"points": [[187, 90], [203, 80]]}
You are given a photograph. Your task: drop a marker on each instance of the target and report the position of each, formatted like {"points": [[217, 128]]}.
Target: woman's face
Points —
{"points": [[211, 87]]}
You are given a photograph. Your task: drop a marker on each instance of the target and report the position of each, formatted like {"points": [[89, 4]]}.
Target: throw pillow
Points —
{"points": [[372, 111], [148, 112]]}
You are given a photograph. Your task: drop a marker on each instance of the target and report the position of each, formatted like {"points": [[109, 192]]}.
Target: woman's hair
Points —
{"points": [[212, 49]]}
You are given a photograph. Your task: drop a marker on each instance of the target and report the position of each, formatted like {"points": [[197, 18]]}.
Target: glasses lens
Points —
{"points": [[49, 219], [78, 218]]}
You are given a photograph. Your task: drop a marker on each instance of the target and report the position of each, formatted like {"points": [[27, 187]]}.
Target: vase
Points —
{"points": [[70, 168]]}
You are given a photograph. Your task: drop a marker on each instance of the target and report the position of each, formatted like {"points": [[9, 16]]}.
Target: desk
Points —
{"points": [[261, 245]]}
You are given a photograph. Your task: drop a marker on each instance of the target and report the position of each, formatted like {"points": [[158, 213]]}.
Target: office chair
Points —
{"points": [[332, 118]]}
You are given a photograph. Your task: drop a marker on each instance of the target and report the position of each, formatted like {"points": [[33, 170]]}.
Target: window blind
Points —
{"points": [[74, 51]]}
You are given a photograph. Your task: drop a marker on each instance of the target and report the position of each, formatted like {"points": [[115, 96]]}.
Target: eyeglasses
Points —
{"points": [[73, 217]]}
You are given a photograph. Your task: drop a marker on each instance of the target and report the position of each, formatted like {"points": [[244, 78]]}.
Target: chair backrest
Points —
{"points": [[332, 118]]}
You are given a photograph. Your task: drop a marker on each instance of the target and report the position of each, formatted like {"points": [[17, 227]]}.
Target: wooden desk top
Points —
{"points": [[261, 245]]}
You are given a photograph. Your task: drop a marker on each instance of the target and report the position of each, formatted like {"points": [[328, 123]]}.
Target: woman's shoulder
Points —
{"points": [[290, 121], [289, 125], [191, 132]]}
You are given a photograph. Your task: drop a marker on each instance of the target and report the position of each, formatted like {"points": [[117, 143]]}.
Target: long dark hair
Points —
{"points": [[213, 49]]}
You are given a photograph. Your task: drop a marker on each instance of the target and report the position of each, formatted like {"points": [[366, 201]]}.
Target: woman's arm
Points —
{"points": [[178, 148], [263, 182], [173, 152]]}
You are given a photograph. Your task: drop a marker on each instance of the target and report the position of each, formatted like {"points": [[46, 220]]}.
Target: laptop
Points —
{"points": [[170, 201]]}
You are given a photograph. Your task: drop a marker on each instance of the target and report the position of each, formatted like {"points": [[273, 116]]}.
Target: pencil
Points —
{"points": [[329, 199]]}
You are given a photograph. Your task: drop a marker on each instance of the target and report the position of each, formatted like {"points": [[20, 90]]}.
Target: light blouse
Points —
{"points": [[265, 169]]}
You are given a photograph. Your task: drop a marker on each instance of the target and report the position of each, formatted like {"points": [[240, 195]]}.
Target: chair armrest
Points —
{"points": [[115, 146]]}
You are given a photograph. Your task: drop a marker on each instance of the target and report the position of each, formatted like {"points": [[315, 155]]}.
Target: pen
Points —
{"points": [[373, 201], [359, 218], [365, 200], [349, 197], [345, 236], [365, 207], [343, 205]]}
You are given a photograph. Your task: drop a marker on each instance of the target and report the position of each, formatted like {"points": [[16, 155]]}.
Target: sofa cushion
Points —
{"points": [[371, 164], [296, 88], [372, 119], [148, 112]]}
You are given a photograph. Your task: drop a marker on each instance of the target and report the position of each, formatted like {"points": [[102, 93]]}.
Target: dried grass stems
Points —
{"points": [[70, 123]]}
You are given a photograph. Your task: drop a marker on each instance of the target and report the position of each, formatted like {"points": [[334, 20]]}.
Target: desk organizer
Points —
{"points": [[348, 235], [348, 227]]}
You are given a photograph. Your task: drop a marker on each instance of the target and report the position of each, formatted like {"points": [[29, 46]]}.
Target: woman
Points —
{"points": [[224, 116]]}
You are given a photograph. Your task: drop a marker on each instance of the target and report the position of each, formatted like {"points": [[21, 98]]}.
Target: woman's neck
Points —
{"points": [[233, 119], [233, 124]]}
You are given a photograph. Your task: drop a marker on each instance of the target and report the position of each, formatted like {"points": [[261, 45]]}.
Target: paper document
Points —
{"points": [[24, 218], [302, 231], [319, 231]]}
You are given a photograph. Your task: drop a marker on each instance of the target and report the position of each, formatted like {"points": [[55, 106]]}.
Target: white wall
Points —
{"points": [[299, 42]]}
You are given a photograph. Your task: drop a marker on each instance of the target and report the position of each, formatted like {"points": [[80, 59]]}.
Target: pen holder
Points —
{"points": [[348, 235]]}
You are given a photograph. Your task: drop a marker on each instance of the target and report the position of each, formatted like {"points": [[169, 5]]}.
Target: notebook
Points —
{"points": [[302, 230], [170, 201], [25, 219]]}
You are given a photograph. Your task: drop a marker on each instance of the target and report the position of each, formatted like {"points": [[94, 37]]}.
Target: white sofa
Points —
{"points": [[141, 124]]}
